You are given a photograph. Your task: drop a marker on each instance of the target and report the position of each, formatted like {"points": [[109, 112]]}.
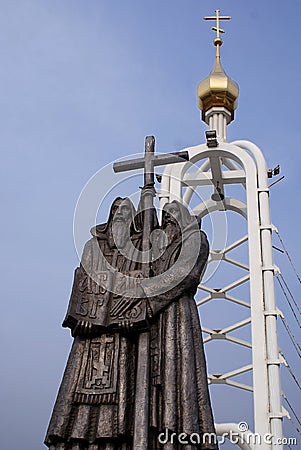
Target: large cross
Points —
{"points": [[142, 393], [217, 18], [148, 162]]}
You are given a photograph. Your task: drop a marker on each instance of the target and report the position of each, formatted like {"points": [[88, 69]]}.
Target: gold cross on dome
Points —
{"points": [[217, 18]]}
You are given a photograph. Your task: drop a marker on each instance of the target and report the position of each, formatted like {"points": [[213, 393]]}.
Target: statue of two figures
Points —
{"points": [[136, 375]]}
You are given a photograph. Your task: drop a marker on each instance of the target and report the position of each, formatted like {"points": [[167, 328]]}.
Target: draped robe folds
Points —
{"points": [[95, 404], [180, 401]]}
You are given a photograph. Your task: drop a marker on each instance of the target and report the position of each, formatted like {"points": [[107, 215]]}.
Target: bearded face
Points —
{"points": [[171, 222], [121, 222]]}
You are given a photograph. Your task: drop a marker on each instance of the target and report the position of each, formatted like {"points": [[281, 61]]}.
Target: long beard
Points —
{"points": [[172, 232], [120, 234]]}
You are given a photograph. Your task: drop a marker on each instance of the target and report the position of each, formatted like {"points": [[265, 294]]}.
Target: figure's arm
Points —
{"points": [[180, 281], [80, 278], [139, 218], [182, 278]]}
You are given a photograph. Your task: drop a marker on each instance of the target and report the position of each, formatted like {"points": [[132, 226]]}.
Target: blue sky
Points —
{"points": [[81, 84]]}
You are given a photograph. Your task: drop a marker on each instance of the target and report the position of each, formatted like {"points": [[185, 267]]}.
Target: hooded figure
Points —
{"points": [[180, 400], [94, 406]]}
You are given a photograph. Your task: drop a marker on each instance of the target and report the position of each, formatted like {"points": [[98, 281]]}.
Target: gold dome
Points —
{"points": [[218, 90]]}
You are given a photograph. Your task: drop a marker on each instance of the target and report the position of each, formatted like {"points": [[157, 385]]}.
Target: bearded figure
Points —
{"points": [[180, 410], [94, 406], [179, 392]]}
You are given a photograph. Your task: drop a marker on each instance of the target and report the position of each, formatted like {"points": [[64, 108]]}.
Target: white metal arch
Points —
{"points": [[230, 204], [253, 176]]}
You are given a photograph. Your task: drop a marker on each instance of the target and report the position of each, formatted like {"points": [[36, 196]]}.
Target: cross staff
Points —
{"points": [[150, 160], [217, 18]]}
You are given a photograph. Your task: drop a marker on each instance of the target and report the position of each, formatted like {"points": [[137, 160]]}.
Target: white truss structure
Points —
{"points": [[239, 163]]}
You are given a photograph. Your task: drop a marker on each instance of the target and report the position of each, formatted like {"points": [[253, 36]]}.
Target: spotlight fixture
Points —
{"points": [[270, 173], [273, 172], [217, 195], [211, 138]]}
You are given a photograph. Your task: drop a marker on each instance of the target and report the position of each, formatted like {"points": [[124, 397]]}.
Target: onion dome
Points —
{"points": [[217, 90]]}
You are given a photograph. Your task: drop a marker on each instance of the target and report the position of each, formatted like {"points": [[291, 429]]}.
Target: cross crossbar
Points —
{"points": [[157, 160], [217, 18], [148, 163]]}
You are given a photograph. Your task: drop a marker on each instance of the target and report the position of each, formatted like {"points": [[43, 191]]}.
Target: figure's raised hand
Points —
{"points": [[128, 301], [122, 306]]}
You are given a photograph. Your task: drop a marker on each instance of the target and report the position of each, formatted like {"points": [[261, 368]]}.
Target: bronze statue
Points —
{"points": [[136, 375], [179, 390], [96, 374]]}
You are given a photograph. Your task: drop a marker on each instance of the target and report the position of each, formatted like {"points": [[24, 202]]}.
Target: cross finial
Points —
{"points": [[217, 29]]}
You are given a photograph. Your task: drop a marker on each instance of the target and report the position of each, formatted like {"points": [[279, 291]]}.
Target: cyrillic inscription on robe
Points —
{"points": [[90, 297]]}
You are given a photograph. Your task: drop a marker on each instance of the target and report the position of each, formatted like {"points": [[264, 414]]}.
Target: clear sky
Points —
{"points": [[81, 84]]}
